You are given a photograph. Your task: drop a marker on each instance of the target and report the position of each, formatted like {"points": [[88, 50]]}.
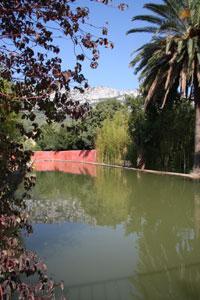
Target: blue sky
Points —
{"points": [[113, 70]]}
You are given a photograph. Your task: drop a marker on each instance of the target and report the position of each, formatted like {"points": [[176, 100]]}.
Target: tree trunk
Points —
{"points": [[196, 168], [140, 161], [196, 84]]}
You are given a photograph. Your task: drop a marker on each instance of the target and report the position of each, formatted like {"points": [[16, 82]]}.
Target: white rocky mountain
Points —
{"points": [[96, 94]]}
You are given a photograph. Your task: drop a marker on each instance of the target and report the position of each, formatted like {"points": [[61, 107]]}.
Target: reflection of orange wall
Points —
{"points": [[65, 161], [66, 167], [72, 155]]}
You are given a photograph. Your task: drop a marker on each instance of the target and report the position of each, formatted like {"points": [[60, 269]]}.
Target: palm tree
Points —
{"points": [[170, 62]]}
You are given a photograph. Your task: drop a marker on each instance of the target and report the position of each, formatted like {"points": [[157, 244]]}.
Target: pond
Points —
{"points": [[114, 234]]}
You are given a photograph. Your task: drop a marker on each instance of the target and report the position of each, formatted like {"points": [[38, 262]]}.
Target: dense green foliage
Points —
{"points": [[8, 119], [76, 134], [73, 135], [163, 137], [113, 139]]}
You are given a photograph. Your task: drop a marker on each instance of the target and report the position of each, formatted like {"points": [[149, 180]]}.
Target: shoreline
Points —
{"points": [[191, 176]]}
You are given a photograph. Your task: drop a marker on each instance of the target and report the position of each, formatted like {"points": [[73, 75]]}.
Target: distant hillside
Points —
{"points": [[93, 95], [97, 94]]}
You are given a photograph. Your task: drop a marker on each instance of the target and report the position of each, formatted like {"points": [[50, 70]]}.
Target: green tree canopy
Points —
{"points": [[161, 136]]}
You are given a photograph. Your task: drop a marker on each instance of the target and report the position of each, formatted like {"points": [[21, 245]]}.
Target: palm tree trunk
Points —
{"points": [[196, 168]]}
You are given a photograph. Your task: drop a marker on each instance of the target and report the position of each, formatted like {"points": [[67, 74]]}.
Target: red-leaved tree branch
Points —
{"points": [[29, 54]]}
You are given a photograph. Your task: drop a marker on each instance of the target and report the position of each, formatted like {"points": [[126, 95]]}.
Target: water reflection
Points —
{"points": [[66, 167], [124, 237]]}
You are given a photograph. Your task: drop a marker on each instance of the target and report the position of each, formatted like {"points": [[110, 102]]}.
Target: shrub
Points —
{"points": [[113, 140]]}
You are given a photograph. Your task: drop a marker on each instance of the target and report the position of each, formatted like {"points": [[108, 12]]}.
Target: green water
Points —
{"points": [[119, 235]]}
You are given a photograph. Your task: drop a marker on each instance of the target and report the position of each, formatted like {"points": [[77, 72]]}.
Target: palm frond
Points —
{"points": [[152, 90], [198, 76], [171, 27], [165, 98], [174, 8], [135, 60], [149, 29], [171, 57], [198, 57], [191, 52], [170, 71], [183, 81], [169, 11], [148, 18], [159, 9], [195, 12]]}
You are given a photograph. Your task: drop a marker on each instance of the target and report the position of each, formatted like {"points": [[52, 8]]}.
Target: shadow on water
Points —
{"points": [[119, 235]]}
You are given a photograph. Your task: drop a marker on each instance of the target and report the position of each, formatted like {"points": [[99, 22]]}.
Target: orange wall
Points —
{"points": [[65, 161], [72, 155]]}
